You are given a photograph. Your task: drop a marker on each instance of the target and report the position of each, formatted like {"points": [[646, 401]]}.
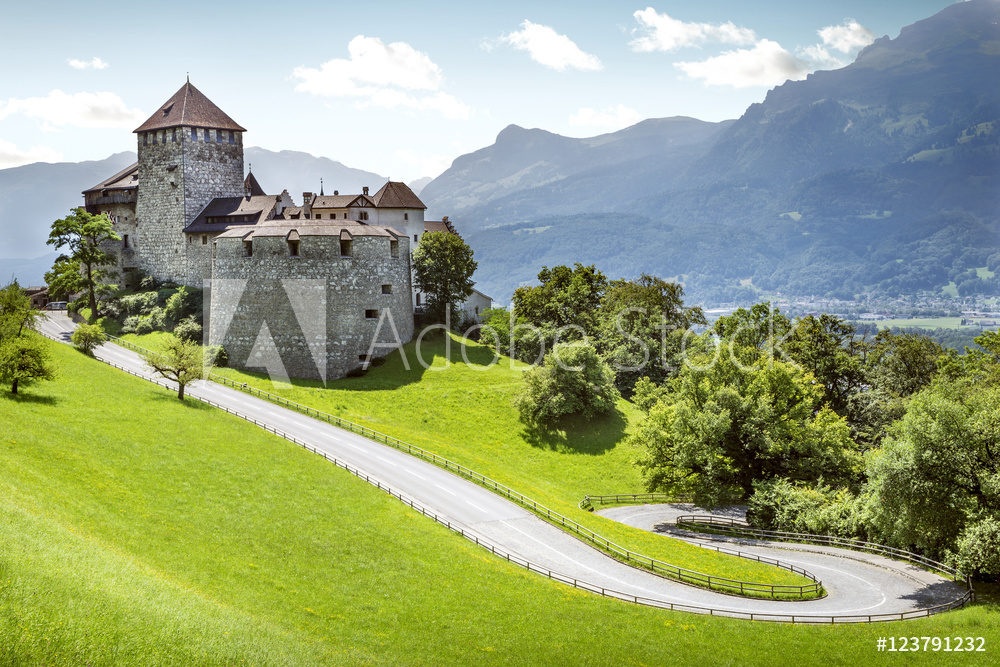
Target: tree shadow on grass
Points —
{"points": [[573, 434], [22, 397]]}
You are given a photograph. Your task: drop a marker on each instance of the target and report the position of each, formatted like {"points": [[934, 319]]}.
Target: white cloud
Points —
{"points": [[549, 48], [382, 75], [660, 32], [766, 64], [615, 117], [12, 156], [58, 109], [851, 36], [95, 63]]}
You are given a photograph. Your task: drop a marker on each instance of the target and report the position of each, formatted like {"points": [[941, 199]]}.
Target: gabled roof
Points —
{"points": [[397, 195], [189, 106], [126, 178], [439, 226], [251, 185], [256, 209], [341, 201]]}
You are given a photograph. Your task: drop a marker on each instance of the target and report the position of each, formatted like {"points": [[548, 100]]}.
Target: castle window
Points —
{"points": [[363, 215], [406, 216], [190, 239], [173, 135], [477, 310], [307, 216], [386, 289], [418, 298], [414, 238], [394, 249], [371, 314], [232, 137], [346, 248], [125, 240], [319, 216], [218, 136], [293, 248], [215, 245], [194, 134], [248, 248], [145, 138], [204, 239]]}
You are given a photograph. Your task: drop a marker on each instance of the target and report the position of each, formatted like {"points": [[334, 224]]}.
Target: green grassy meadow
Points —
{"points": [[141, 530], [464, 412]]}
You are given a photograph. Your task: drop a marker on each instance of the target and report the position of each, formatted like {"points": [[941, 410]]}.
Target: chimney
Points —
{"points": [[307, 198], [364, 190]]}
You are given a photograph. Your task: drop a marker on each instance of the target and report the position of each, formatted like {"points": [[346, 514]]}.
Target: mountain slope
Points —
{"points": [[880, 176]]}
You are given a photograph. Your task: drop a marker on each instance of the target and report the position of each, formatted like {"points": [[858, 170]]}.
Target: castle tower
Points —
{"points": [[190, 152]]}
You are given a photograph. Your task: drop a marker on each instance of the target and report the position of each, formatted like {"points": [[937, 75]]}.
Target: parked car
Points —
{"points": [[55, 305]]}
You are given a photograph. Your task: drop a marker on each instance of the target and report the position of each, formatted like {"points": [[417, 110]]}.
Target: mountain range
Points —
{"points": [[882, 176]]}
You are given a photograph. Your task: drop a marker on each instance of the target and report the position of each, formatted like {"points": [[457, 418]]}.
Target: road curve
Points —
{"points": [[857, 587]]}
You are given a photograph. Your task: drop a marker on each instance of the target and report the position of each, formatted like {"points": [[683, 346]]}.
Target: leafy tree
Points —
{"points": [[181, 361], [443, 268], [24, 359], [84, 234], [572, 380], [64, 278], [641, 325], [16, 313], [827, 347], [726, 426], [751, 333], [939, 469], [88, 337], [565, 297]]}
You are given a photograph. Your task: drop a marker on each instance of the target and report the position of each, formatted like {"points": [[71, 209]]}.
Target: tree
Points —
{"points": [[641, 327], [24, 359], [180, 361], [726, 426], [16, 313], [565, 297], [88, 337], [443, 268], [571, 380], [84, 235], [938, 471]]}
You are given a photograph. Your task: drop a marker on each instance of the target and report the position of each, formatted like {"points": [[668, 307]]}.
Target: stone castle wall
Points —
{"points": [[321, 310], [178, 176], [199, 258]]}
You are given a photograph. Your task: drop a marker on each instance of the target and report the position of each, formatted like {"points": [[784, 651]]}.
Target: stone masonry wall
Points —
{"points": [[313, 306], [199, 258], [178, 176]]}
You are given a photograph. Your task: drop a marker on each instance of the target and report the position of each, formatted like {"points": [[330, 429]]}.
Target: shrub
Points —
{"points": [[142, 303], [144, 326], [182, 304], [158, 319], [188, 329], [130, 323], [571, 380], [215, 355], [87, 337], [979, 549]]}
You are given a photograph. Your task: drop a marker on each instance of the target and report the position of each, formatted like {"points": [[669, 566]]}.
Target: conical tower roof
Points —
{"points": [[190, 107]]}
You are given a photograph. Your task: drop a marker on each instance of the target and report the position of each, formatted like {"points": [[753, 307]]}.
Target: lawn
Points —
{"points": [[464, 412], [141, 530]]}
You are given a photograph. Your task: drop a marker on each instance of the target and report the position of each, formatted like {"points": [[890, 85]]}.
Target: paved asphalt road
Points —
{"points": [[856, 587]]}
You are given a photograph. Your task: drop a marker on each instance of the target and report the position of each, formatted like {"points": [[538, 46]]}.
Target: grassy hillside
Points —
{"points": [[137, 529], [464, 412]]}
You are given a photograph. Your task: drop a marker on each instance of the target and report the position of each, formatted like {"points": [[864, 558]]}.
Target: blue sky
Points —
{"points": [[402, 88]]}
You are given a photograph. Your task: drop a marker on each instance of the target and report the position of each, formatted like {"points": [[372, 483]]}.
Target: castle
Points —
{"points": [[310, 291]]}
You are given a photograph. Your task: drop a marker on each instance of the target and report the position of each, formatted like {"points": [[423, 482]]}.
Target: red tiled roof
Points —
{"points": [[397, 195], [190, 107]]}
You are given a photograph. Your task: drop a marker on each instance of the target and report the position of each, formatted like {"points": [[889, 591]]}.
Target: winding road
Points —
{"points": [[858, 585]]}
